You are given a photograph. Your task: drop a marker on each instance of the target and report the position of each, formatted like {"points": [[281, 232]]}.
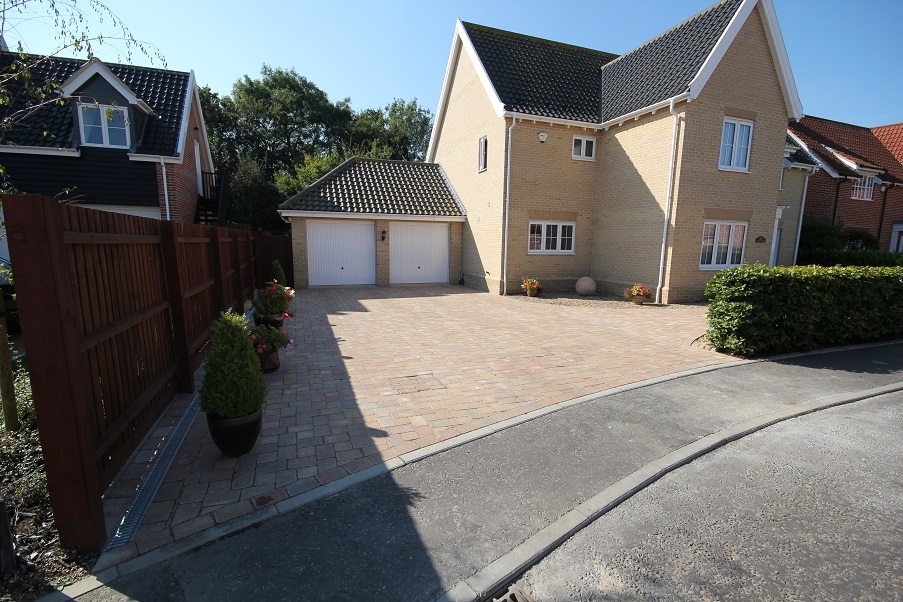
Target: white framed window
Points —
{"points": [[736, 140], [551, 237], [896, 239], [483, 154], [723, 244], [103, 125], [864, 188], [584, 148]]}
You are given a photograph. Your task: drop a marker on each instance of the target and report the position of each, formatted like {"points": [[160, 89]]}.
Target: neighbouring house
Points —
{"points": [[376, 221], [662, 165], [860, 183], [125, 139]]}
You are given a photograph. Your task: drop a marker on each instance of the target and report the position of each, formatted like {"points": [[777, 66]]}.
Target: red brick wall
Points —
{"points": [[853, 214], [182, 178]]}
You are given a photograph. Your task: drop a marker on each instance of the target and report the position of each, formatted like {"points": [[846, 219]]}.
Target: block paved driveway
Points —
{"points": [[378, 372]]}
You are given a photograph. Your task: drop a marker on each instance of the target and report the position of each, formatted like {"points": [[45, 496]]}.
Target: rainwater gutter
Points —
{"points": [[661, 264], [165, 188], [507, 207]]}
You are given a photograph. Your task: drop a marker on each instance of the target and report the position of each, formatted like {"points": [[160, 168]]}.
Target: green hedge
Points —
{"points": [[849, 258], [756, 310]]}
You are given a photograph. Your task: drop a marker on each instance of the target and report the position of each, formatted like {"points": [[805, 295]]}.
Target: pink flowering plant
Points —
{"points": [[274, 298], [638, 290], [265, 339], [531, 284]]}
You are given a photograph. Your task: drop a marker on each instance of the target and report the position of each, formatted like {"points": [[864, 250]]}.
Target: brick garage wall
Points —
{"points": [[791, 194], [382, 252], [630, 214], [745, 80], [182, 178], [548, 184], [468, 117], [456, 252], [299, 251]]}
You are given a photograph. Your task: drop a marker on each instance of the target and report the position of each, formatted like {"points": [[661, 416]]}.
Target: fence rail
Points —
{"points": [[116, 311]]}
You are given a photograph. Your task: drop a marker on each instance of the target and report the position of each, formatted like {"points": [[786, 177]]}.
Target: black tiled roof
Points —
{"points": [[664, 66], [540, 77], [799, 155], [361, 185], [52, 126], [550, 79]]}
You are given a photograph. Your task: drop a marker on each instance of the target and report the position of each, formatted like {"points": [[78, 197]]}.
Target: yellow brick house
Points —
{"points": [[662, 165]]}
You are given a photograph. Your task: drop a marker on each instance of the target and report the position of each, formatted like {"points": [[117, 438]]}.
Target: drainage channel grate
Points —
{"points": [[514, 594], [134, 516]]}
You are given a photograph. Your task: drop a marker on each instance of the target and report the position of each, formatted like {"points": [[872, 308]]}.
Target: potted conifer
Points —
{"points": [[233, 390]]}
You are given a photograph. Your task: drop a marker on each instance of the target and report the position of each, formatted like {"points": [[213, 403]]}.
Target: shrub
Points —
{"points": [[273, 298], [233, 384], [278, 273], [22, 476], [268, 338], [756, 310], [850, 258]]}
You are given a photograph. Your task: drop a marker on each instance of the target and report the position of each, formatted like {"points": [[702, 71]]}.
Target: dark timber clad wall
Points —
{"points": [[101, 175]]}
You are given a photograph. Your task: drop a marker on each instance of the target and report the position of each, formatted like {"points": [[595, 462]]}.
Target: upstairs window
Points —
{"points": [[736, 139], [551, 237], [864, 188], [483, 154], [103, 125], [584, 148], [722, 245]]}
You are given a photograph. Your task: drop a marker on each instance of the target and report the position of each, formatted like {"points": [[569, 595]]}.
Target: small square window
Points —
{"points": [[736, 140], [584, 148], [483, 154], [551, 238], [103, 125]]}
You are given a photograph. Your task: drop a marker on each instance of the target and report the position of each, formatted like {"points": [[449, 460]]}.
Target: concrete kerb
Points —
{"points": [[462, 590], [506, 568]]}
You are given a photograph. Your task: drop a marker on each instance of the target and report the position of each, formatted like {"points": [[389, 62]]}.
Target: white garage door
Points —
{"points": [[418, 253], [341, 252]]}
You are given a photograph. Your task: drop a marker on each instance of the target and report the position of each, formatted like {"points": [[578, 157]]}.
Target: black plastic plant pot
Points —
{"points": [[235, 437]]}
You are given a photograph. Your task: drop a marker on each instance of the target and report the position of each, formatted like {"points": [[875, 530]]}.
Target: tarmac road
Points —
{"points": [[808, 509]]}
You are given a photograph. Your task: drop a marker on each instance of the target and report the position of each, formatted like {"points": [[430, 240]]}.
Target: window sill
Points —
{"points": [[717, 268], [103, 146], [733, 169], [576, 158], [551, 252]]}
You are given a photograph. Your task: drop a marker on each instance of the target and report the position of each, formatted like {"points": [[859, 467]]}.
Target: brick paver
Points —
{"points": [[379, 372]]}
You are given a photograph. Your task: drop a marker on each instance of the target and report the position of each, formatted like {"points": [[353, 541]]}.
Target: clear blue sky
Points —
{"points": [[845, 54]]}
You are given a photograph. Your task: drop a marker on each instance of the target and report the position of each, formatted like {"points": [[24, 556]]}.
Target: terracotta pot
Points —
{"points": [[235, 436], [532, 292], [269, 361], [639, 299]]}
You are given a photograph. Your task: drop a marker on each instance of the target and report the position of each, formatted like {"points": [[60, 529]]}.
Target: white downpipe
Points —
{"points": [[661, 264], [799, 226], [775, 241], [507, 205], [165, 188]]}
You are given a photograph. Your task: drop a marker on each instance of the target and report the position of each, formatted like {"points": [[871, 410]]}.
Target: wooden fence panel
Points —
{"points": [[116, 311], [269, 247]]}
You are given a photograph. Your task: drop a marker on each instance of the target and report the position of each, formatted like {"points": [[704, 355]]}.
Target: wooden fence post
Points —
{"points": [[176, 292], [239, 282], [63, 403]]}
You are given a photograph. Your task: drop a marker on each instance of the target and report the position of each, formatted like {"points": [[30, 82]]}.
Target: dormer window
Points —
{"points": [[864, 188], [103, 125]]}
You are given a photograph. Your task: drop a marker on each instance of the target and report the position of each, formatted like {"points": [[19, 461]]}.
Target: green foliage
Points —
{"points": [[268, 338], [303, 175], [850, 258], [859, 240], [22, 477], [818, 235], [756, 310], [233, 384], [273, 298], [254, 198], [278, 273]]}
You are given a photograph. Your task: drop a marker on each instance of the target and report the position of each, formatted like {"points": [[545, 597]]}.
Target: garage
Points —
{"points": [[376, 221], [418, 253], [341, 252]]}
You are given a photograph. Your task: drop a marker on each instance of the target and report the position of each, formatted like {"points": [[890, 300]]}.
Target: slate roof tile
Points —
{"points": [[52, 126], [550, 79], [362, 185]]}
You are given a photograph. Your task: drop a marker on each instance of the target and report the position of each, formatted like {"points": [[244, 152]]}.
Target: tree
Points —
{"points": [[21, 96], [254, 196]]}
